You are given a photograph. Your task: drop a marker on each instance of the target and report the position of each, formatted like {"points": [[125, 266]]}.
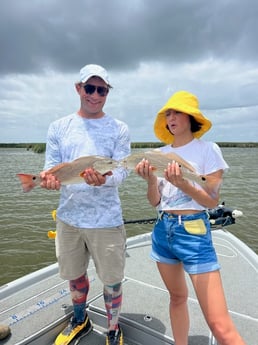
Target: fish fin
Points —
{"points": [[28, 181], [108, 173], [153, 168], [57, 167]]}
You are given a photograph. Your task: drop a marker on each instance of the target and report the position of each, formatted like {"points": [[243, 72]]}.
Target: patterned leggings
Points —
{"points": [[79, 289]]}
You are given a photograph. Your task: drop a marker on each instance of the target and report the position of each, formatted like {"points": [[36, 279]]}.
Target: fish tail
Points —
{"points": [[200, 179], [28, 182]]}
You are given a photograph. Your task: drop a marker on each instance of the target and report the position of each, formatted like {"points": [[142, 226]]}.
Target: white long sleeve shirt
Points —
{"points": [[72, 137]]}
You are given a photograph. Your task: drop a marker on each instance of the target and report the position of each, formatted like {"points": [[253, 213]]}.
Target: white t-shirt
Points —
{"points": [[205, 157]]}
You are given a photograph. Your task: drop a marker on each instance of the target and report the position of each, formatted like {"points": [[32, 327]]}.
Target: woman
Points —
{"points": [[181, 238]]}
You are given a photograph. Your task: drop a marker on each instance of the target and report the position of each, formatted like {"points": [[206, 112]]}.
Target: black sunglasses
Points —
{"points": [[101, 90]]}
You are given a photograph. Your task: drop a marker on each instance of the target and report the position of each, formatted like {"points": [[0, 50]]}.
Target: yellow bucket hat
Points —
{"points": [[186, 103]]}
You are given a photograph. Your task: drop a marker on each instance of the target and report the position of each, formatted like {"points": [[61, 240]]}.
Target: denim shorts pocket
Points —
{"points": [[195, 227]]}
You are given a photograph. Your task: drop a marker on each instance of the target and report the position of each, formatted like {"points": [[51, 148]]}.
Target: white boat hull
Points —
{"points": [[38, 306]]}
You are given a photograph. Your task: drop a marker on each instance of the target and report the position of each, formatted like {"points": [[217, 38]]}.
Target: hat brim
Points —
{"points": [[162, 132], [94, 75]]}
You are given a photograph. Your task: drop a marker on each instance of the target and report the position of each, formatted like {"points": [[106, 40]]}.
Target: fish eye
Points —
{"points": [[34, 178]]}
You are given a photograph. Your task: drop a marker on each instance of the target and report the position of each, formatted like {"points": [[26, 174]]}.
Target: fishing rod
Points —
{"points": [[141, 221], [219, 216]]}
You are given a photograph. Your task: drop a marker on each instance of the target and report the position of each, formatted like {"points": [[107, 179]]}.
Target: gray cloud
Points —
{"points": [[63, 34], [150, 48]]}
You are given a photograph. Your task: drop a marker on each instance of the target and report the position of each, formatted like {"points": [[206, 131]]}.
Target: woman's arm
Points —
{"points": [[208, 196]]}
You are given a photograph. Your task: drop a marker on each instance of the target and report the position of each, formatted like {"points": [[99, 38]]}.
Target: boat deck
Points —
{"points": [[38, 306]]}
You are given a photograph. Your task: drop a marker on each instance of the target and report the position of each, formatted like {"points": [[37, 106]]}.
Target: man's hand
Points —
{"points": [[49, 181], [94, 178]]}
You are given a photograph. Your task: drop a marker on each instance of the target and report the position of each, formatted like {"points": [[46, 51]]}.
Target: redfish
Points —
{"points": [[70, 172], [159, 161]]}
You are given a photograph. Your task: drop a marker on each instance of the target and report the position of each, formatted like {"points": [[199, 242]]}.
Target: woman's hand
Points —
{"points": [[145, 170], [173, 174]]}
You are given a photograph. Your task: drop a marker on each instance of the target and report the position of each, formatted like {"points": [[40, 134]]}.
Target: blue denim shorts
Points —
{"points": [[186, 239]]}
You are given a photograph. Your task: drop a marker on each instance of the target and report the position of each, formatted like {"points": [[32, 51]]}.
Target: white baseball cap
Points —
{"points": [[89, 71]]}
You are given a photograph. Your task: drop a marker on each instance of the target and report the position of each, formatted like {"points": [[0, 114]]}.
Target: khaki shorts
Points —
{"points": [[106, 246]]}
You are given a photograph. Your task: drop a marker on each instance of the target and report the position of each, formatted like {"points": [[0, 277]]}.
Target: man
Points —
{"points": [[89, 216]]}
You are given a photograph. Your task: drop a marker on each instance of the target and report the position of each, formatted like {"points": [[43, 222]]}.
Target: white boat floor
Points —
{"points": [[38, 306]]}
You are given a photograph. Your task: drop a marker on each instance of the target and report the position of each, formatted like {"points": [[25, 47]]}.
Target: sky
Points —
{"points": [[150, 49]]}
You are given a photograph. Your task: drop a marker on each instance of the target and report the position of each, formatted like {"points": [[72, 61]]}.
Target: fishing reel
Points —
{"points": [[223, 216]]}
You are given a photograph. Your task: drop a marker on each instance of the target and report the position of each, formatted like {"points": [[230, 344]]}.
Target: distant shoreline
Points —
{"points": [[41, 147]]}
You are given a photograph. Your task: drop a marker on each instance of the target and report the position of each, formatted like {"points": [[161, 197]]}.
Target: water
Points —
{"points": [[26, 217]]}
